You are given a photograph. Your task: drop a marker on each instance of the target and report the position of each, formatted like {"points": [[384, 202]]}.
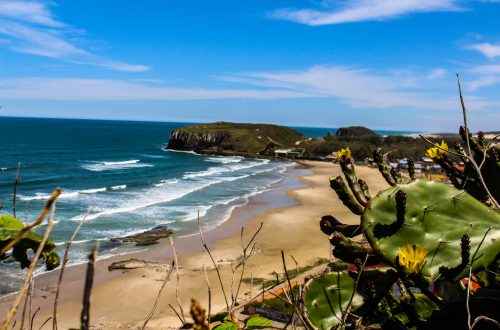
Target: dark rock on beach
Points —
{"points": [[148, 237], [137, 263]]}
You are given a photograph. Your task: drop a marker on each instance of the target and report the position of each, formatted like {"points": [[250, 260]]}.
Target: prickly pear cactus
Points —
{"points": [[326, 297], [438, 217], [10, 227]]}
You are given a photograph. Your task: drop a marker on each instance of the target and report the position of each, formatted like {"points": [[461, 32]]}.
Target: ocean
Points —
{"points": [[122, 172]]}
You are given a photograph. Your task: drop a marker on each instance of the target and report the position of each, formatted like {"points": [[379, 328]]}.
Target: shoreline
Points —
{"points": [[124, 298]]}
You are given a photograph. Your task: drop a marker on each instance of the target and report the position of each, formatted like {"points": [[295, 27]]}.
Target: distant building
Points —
{"points": [[289, 153]]}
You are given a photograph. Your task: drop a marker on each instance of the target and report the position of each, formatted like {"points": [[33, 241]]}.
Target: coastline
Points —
{"points": [[122, 299]]}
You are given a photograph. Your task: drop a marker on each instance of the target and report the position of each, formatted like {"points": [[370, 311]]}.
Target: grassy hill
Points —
{"points": [[232, 138]]}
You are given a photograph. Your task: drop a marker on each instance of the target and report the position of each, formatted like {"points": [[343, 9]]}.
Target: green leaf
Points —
{"points": [[226, 326], [257, 322]]}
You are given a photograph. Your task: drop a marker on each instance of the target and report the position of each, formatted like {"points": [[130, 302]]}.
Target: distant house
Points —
{"points": [[289, 153], [333, 157]]}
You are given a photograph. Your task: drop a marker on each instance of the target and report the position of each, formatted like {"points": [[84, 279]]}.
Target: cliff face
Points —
{"points": [[195, 141], [232, 138]]}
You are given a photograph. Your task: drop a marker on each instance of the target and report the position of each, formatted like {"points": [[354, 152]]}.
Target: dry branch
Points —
{"points": [[13, 309], [89, 280], [63, 267]]}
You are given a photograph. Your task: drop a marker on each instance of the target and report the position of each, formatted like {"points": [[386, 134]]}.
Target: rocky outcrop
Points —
{"points": [[195, 141], [354, 131], [137, 263], [235, 139], [148, 237]]}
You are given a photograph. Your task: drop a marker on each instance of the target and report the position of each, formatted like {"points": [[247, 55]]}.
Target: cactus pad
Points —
{"points": [[327, 296], [436, 216]]}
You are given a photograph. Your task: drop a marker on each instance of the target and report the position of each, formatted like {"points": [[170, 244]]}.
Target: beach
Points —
{"points": [[123, 299]]}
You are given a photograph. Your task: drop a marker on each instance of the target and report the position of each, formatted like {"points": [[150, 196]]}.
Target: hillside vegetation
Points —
{"points": [[232, 138]]}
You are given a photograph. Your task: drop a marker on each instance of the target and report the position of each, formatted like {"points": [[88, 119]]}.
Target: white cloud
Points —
{"points": [[75, 89], [358, 88], [354, 87], [489, 50], [31, 12], [364, 10], [30, 27]]}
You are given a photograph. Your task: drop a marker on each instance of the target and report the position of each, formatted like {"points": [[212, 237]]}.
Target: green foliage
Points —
{"points": [[228, 325], [421, 239], [437, 216], [327, 296], [10, 227], [235, 138], [257, 322], [363, 146]]}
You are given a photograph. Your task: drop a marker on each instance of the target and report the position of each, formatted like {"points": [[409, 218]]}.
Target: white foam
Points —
{"points": [[65, 194], [112, 166], [225, 160], [120, 187], [152, 196], [92, 191], [164, 182], [183, 151], [213, 171]]}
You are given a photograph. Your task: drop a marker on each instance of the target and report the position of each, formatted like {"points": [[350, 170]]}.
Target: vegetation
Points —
{"points": [[362, 146], [233, 138], [428, 255]]}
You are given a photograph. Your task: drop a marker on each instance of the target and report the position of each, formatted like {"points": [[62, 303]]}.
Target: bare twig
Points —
{"points": [[209, 293], [467, 298], [213, 262], [484, 319], [33, 318], [464, 112], [176, 313], [26, 299], [177, 295], [14, 193], [38, 221], [346, 312], [89, 281], [44, 323], [63, 267], [474, 164], [246, 255], [13, 309], [151, 313]]}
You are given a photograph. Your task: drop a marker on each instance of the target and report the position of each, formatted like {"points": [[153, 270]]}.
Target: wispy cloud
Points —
{"points": [[491, 51], [355, 87], [30, 27], [359, 88], [76, 89], [363, 10]]}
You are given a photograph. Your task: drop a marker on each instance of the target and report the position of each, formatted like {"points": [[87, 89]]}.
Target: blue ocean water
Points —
{"points": [[122, 172], [318, 132]]}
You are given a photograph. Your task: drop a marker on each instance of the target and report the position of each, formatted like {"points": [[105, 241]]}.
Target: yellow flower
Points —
{"points": [[344, 154], [412, 258], [439, 151]]}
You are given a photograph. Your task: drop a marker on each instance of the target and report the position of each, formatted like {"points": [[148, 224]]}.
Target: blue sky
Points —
{"points": [[385, 64]]}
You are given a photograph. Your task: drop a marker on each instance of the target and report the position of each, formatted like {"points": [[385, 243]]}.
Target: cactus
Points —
{"points": [[436, 216], [485, 156], [421, 238], [10, 227], [326, 297]]}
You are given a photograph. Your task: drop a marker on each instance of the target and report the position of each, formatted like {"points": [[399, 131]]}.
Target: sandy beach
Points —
{"points": [[123, 299]]}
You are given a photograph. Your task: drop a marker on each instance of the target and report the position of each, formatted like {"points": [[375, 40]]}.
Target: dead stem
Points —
{"points": [[13, 309], [63, 267], [89, 281], [177, 295]]}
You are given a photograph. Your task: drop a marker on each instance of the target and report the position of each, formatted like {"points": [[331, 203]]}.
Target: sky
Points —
{"points": [[384, 64]]}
